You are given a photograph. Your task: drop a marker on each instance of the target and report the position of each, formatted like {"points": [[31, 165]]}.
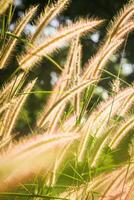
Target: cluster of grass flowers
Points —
{"points": [[72, 152]]}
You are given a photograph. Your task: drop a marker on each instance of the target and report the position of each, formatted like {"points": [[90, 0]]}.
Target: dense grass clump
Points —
{"points": [[75, 149]]}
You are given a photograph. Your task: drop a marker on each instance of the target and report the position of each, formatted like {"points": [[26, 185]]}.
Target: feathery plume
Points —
{"points": [[9, 90], [69, 94], [105, 186], [121, 132], [95, 66], [15, 167], [49, 13], [52, 43], [7, 51], [12, 112], [67, 75], [96, 124], [120, 20]]}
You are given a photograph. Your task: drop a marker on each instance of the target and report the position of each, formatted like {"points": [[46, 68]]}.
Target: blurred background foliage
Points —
{"points": [[48, 73]]}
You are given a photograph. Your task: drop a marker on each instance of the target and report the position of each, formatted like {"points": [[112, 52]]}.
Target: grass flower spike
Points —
{"points": [[76, 148]]}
